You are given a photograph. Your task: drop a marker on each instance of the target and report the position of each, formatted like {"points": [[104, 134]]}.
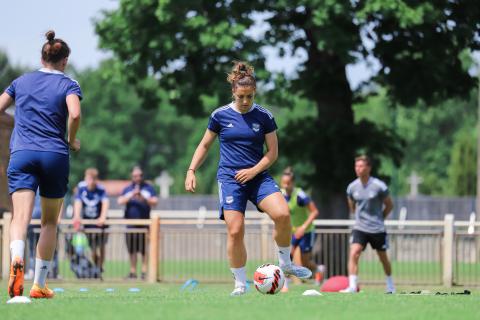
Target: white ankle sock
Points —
{"points": [[284, 256], [17, 249], [389, 280], [352, 281], [240, 276], [41, 270]]}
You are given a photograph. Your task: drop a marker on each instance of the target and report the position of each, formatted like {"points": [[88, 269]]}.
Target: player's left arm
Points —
{"points": [[103, 213], [152, 200], [268, 159], [387, 206], [313, 214], [5, 102]]}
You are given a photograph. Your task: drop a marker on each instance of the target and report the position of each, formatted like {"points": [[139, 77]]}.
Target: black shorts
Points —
{"points": [[135, 242], [378, 241], [97, 240]]}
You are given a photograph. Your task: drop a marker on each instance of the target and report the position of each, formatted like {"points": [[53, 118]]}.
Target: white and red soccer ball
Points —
{"points": [[268, 279]]}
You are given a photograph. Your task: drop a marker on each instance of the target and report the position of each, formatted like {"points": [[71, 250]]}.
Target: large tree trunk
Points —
{"points": [[6, 127], [335, 150]]}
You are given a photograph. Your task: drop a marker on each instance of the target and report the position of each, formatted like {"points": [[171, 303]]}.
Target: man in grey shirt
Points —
{"points": [[369, 199]]}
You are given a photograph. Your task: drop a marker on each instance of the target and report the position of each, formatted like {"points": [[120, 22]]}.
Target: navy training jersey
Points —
{"points": [[91, 200], [241, 136], [139, 209], [41, 110]]}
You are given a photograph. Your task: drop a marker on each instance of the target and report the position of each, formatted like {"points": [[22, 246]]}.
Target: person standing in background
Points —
{"points": [[369, 199], [138, 198], [91, 202]]}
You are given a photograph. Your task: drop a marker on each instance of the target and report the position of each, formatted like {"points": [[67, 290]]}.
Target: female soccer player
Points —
{"points": [[45, 100], [302, 211], [243, 128]]}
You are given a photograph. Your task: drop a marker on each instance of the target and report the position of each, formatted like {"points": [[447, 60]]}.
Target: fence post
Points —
{"points": [[265, 237], [448, 243], [153, 250], [7, 219]]}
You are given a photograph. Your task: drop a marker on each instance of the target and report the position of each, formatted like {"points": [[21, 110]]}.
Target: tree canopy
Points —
{"points": [[186, 48]]}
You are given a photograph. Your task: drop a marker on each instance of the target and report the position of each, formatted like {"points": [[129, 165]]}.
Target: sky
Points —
{"points": [[24, 26]]}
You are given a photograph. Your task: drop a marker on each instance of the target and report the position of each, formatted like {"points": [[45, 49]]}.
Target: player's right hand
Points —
{"points": [[190, 181], [75, 145]]}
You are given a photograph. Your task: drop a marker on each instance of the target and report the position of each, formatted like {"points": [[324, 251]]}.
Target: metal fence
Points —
{"points": [[183, 245]]}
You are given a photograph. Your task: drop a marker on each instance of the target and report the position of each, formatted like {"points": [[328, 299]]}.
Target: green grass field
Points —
{"points": [[212, 301], [217, 271]]}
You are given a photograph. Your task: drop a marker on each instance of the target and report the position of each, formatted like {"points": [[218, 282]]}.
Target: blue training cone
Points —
{"points": [[190, 284]]}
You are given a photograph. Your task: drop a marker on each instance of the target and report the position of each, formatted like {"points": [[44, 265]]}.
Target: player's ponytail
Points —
{"points": [[54, 50], [242, 74]]}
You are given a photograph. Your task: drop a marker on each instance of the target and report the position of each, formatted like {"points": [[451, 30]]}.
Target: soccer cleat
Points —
{"points": [[349, 290], [15, 282], [41, 293], [238, 291], [390, 290], [297, 271]]}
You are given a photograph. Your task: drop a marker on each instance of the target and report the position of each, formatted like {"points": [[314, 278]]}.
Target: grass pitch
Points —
{"points": [[212, 301]]}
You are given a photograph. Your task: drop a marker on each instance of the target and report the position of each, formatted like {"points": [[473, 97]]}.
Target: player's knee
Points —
{"points": [[235, 232], [282, 218]]}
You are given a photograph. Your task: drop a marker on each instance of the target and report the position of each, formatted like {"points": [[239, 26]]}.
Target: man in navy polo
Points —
{"points": [[138, 197]]}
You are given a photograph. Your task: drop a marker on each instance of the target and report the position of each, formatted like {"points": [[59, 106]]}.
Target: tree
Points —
{"points": [[118, 133], [462, 172], [187, 48], [7, 72], [433, 136]]}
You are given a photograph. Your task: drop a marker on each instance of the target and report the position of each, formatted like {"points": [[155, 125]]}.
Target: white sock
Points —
{"points": [[352, 281], [240, 276], [389, 280], [321, 268], [284, 256], [41, 270], [17, 249]]}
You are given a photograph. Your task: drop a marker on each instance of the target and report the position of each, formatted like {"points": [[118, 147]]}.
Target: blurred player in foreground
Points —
{"points": [[243, 127], [369, 199], [45, 100], [303, 212]]}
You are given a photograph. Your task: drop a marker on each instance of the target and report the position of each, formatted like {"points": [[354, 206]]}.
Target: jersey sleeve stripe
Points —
{"points": [[260, 108]]}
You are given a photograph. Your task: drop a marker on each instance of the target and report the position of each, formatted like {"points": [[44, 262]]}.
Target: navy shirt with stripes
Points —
{"points": [[241, 136]]}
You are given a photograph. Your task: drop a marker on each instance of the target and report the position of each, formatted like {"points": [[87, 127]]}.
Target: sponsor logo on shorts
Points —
{"points": [[229, 199], [256, 127], [230, 125]]}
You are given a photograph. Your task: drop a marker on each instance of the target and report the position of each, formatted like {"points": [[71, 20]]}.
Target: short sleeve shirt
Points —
{"points": [[241, 136], [91, 200], [368, 201], [137, 209], [41, 110]]}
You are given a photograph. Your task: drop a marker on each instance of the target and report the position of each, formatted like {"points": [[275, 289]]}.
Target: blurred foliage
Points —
{"points": [[439, 143], [187, 48], [117, 133], [8, 72]]}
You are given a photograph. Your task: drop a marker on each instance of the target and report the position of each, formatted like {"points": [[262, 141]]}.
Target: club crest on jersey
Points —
{"points": [[255, 127], [229, 199]]}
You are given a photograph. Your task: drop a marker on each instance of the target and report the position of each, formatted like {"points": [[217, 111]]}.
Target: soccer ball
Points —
{"points": [[268, 279]]}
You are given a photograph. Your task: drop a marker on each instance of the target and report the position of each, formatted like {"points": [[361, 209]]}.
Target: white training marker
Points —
{"points": [[311, 293], [58, 290], [83, 290], [134, 290], [19, 299], [109, 290]]}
